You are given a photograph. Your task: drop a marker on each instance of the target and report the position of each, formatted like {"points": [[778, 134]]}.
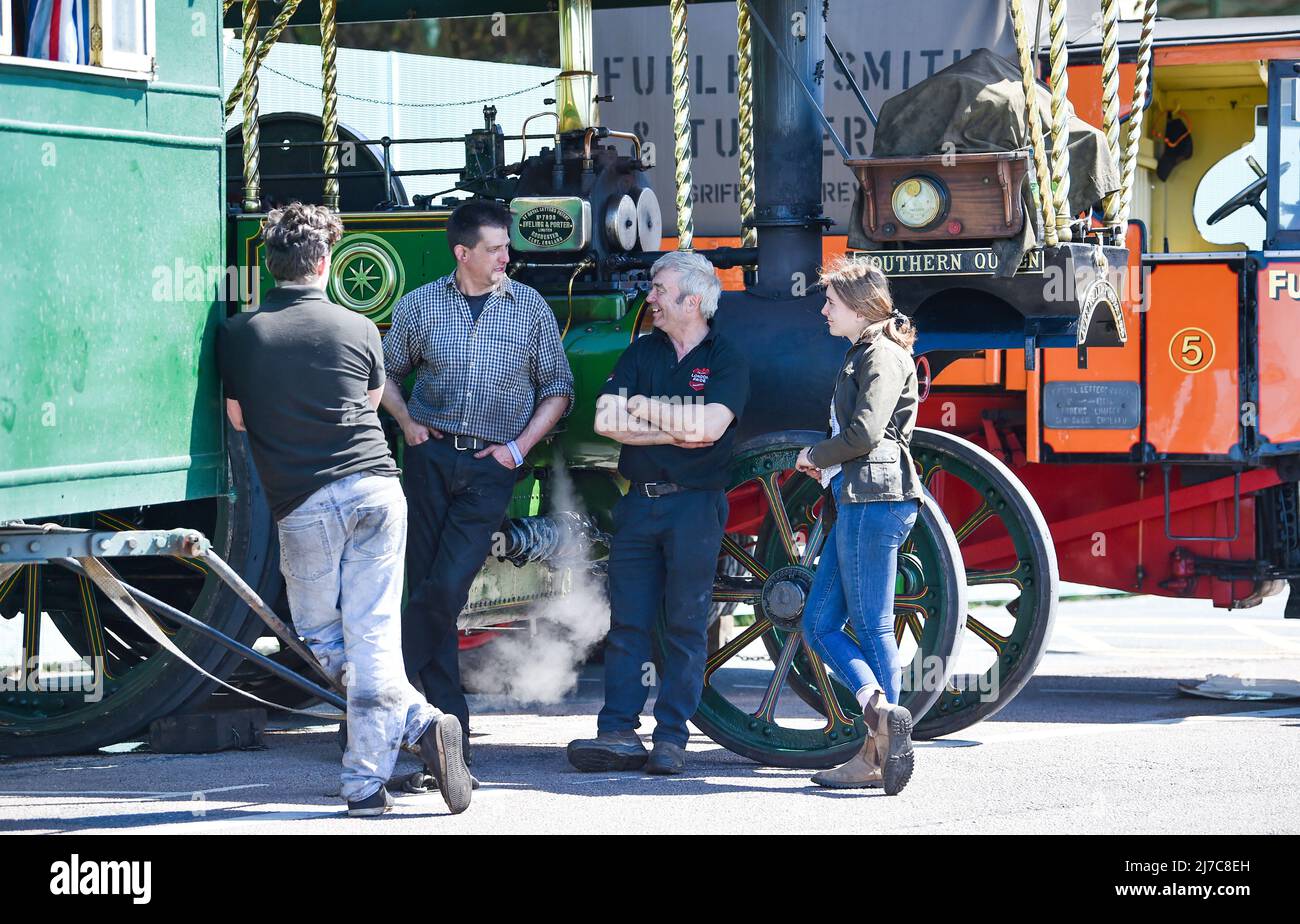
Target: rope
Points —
{"points": [[268, 42], [330, 110], [1110, 96], [745, 86], [252, 135], [1128, 171], [1044, 198], [681, 125], [1058, 59]]}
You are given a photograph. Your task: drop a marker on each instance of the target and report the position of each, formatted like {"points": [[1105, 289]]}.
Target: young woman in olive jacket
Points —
{"points": [[867, 464]]}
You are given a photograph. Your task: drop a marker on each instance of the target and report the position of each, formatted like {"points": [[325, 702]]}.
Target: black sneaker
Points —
{"points": [[418, 783], [608, 751], [376, 804], [441, 749], [666, 760]]}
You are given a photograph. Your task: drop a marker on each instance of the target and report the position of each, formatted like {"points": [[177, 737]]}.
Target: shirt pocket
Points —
{"points": [[506, 362]]}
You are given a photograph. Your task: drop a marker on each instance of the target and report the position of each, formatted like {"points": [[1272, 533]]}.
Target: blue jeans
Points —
{"points": [[662, 560], [854, 584], [341, 555]]}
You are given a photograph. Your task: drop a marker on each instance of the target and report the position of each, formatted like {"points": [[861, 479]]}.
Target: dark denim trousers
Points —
{"points": [[854, 584], [456, 503], [663, 558]]}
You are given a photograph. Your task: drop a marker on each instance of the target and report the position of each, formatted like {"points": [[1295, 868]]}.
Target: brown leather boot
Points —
{"points": [[861, 771], [893, 742]]}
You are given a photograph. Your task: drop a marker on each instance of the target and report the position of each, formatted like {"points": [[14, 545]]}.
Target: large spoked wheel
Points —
{"points": [[743, 706], [1005, 542], [50, 706]]}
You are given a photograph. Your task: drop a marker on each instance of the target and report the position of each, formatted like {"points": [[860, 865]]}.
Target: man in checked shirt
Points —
{"points": [[491, 381]]}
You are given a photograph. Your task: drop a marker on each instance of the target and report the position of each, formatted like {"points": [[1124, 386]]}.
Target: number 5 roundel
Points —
{"points": [[1191, 349]]}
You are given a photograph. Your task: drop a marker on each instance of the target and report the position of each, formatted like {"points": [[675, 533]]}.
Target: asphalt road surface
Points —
{"points": [[1099, 742]]}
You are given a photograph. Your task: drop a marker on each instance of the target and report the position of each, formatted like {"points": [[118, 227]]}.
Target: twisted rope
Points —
{"points": [[1058, 59], [329, 113], [268, 42], [681, 126], [1041, 175], [1128, 172], [745, 86], [1110, 95], [252, 136]]}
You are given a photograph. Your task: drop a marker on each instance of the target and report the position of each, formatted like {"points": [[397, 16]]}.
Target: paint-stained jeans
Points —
{"points": [[341, 554], [854, 584]]}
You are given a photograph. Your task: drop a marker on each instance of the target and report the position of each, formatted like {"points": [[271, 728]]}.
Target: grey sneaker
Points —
{"points": [[668, 759], [441, 749], [376, 804], [608, 751]]}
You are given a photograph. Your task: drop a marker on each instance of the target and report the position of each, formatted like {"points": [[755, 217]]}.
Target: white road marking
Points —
{"points": [[128, 794], [1079, 730], [1279, 641]]}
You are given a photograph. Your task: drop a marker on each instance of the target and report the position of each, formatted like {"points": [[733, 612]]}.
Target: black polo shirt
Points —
{"points": [[713, 371]]}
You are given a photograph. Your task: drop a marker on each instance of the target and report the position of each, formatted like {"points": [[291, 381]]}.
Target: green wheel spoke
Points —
{"points": [[992, 639], [1015, 575], [816, 539], [31, 648], [767, 710], [780, 516], [822, 681], [733, 647], [732, 548], [974, 521]]}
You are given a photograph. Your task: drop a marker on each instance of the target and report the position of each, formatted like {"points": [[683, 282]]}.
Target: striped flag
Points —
{"points": [[59, 30]]}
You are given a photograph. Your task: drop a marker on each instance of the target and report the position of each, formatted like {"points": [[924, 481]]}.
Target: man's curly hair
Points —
{"points": [[297, 237]]}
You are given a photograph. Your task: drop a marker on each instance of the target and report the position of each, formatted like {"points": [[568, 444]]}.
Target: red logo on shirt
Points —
{"points": [[698, 378]]}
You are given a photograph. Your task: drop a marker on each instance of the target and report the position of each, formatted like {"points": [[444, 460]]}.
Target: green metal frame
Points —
{"points": [[112, 191]]}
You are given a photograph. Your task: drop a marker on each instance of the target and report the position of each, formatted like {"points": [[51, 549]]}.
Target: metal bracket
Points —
{"points": [[1236, 512]]}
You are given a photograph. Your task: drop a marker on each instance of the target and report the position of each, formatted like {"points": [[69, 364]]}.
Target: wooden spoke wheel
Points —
{"points": [[744, 705], [1005, 543], [44, 710]]}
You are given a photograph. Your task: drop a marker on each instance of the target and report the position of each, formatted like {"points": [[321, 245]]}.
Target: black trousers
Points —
{"points": [[456, 502], [662, 561]]}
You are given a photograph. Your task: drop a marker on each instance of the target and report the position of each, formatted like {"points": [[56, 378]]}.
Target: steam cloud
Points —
{"points": [[543, 667]]}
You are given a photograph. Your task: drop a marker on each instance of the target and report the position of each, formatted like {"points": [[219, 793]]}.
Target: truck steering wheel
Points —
{"points": [[1248, 196]]}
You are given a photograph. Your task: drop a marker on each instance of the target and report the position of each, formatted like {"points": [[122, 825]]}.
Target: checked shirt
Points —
{"points": [[479, 378]]}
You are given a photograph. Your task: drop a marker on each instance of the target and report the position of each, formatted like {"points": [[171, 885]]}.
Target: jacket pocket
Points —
{"points": [[880, 475]]}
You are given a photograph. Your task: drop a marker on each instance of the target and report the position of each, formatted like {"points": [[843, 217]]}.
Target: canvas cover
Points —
{"points": [[978, 105]]}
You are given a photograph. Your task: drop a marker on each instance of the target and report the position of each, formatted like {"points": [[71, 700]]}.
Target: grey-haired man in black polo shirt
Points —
{"points": [[673, 401], [491, 381]]}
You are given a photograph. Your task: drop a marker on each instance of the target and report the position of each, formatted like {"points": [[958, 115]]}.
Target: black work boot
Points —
{"points": [[608, 751], [667, 759]]}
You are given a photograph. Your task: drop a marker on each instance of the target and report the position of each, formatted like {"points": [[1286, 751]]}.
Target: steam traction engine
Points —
{"points": [[986, 249]]}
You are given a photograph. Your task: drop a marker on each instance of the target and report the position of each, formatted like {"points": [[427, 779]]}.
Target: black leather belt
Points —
{"points": [[656, 488], [463, 443]]}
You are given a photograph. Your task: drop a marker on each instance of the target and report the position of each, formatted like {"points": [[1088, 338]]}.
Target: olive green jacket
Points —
{"points": [[875, 405]]}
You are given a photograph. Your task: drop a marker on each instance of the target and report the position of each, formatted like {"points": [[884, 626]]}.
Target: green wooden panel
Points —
{"points": [[111, 197]]}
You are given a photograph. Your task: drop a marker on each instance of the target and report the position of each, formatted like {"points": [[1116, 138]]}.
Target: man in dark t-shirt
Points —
{"points": [[673, 401], [303, 377]]}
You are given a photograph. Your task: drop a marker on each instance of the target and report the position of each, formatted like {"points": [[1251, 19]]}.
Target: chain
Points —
{"points": [[386, 102]]}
